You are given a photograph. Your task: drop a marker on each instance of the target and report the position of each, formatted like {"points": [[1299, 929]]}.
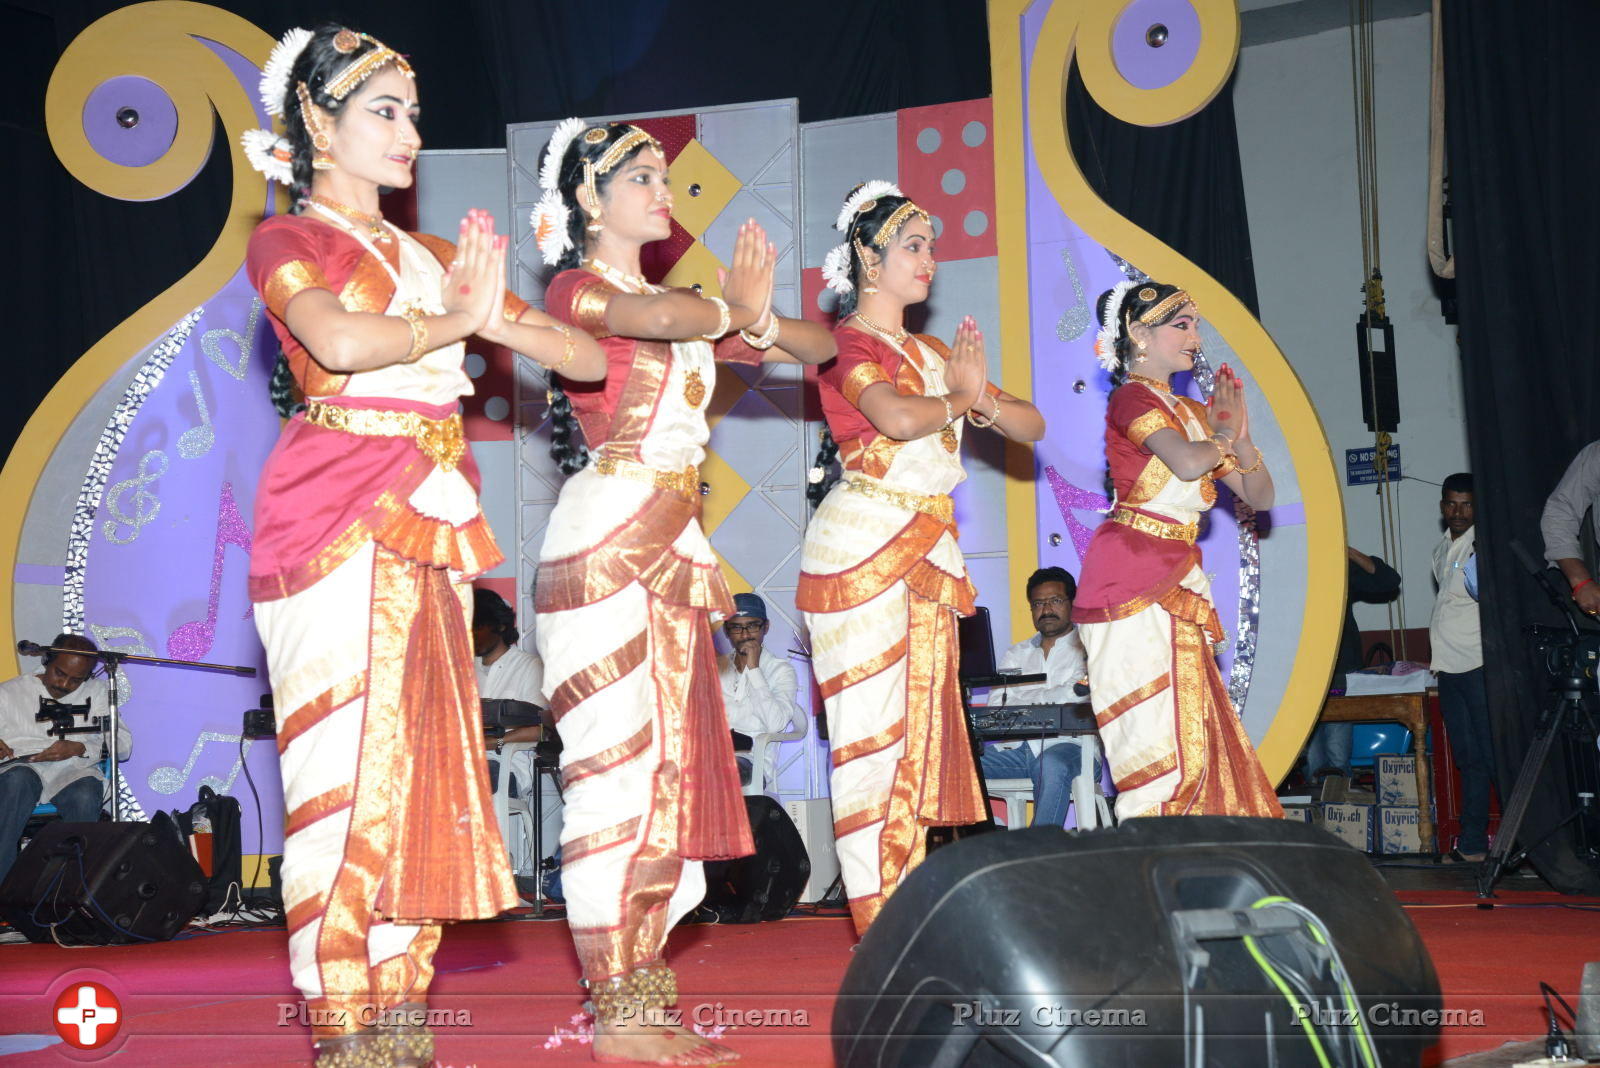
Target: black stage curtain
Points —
{"points": [[1181, 182], [82, 263], [1520, 89]]}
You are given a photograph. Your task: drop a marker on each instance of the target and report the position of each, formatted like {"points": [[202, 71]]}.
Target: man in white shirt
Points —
{"points": [[505, 670], [1458, 661], [34, 765], [758, 687], [1056, 652]]}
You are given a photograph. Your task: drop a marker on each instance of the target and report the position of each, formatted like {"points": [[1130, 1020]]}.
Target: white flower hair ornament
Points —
{"points": [[1105, 342], [269, 152], [560, 140], [274, 86], [551, 231], [836, 269], [869, 191]]}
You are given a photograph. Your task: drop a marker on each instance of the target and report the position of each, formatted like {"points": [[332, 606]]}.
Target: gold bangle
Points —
{"points": [[1253, 468], [726, 317], [949, 412], [569, 349], [974, 416], [768, 338], [419, 332]]}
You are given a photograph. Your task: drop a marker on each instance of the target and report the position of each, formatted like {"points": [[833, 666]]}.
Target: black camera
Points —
{"points": [[62, 718], [1566, 654]]}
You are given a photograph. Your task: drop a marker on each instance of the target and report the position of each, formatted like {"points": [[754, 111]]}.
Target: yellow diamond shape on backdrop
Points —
{"points": [[727, 490], [697, 266], [730, 387], [696, 166]]}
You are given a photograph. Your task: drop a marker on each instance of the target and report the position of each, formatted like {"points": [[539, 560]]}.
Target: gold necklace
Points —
{"points": [[1154, 383], [374, 223], [621, 279], [898, 337]]}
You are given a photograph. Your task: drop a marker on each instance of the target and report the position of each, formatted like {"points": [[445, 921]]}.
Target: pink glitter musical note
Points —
{"points": [[1070, 498], [193, 640]]}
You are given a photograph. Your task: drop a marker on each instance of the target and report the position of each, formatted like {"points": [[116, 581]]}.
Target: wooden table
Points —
{"points": [[1405, 708]]}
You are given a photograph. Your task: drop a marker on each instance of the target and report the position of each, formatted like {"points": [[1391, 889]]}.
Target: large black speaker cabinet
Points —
{"points": [[102, 884], [767, 884], [1160, 942]]}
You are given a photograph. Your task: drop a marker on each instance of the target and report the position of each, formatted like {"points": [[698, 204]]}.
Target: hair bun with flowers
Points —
{"points": [[1105, 342], [551, 216], [269, 152]]}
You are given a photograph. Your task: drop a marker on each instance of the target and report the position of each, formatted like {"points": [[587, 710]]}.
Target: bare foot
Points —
{"points": [[637, 1042]]}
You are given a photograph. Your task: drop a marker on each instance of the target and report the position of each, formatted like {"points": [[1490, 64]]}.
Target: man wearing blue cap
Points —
{"points": [[757, 687]]}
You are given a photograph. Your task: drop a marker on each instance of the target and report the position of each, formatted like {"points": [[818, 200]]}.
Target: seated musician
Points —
{"points": [[37, 766], [758, 687], [1057, 653], [504, 669]]}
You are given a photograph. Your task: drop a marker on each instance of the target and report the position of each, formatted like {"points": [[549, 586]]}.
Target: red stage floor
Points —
{"points": [[221, 999]]}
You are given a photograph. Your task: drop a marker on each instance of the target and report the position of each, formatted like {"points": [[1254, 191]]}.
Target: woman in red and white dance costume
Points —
{"points": [[367, 532], [882, 577], [628, 584], [1171, 735]]}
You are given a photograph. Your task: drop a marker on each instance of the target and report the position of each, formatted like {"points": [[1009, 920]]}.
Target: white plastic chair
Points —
{"points": [[757, 756], [523, 849], [1088, 802]]}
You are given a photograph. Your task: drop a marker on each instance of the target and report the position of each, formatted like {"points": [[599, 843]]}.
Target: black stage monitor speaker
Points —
{"points": [[766, 885], [1199, 940], [101, 884]]}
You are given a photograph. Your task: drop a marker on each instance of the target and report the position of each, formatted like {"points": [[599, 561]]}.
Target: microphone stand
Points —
{"points": [[112, 658]]}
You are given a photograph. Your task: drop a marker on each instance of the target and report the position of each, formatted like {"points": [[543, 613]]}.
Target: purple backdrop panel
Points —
{"points": [[168, 555]]}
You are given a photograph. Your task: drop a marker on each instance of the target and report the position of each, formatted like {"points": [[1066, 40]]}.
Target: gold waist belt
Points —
{"points": [[1156, 528], [940, 507], [685, 483], [441, 440]]}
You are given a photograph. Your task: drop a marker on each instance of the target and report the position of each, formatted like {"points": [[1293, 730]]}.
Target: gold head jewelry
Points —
{"points": [[609, 159], [346, 41], [345, 82], [321, 160], [1147, 294], [897, 219], [1158, 312]]}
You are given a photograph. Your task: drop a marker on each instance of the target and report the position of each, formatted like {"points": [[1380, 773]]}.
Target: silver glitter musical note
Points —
{"points": [[1075, 320], [167, 779], [146, 506], [124, 640], [211, 343], [197, 440]]}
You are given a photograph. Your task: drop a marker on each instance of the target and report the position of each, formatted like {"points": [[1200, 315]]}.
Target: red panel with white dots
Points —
{"points": [[487, 413], [946, 156]]}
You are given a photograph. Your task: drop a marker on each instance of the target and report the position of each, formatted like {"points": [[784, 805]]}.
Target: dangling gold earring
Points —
{"points": [[595, 225], [872, 276], [1139, 356], [322, 161]]}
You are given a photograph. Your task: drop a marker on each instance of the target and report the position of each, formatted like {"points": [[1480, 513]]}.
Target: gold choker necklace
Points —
{"points": [[374, 223], [617, 277], [1154, 383], [899, 337]]}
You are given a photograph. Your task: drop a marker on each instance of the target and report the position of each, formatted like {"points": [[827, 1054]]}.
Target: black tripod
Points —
{"points": [[1566, 714]]}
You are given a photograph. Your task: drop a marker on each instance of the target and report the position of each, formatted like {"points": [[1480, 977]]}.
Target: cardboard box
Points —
{"points": [[1397, 780], [1397, 829], [1352, 823], [1300, 811]]}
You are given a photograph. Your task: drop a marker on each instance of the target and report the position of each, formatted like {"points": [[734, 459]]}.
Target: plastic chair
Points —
{"points": [[757, 755], [1088, 807], [506, 806]]}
